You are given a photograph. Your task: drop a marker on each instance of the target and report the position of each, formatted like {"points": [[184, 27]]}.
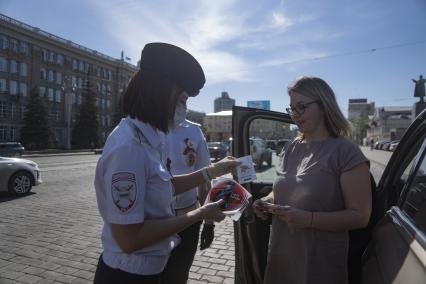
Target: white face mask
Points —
{"points": [[180, 115]]}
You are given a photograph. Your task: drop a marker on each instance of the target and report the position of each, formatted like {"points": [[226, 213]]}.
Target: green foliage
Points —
{"points": [[35, 132], [85, 131]]}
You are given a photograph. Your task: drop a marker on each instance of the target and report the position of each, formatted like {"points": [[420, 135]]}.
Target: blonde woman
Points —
{"points": [[322, 190]]}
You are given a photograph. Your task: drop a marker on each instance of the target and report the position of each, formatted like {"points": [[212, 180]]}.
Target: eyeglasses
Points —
{"points": [[299, 108]]}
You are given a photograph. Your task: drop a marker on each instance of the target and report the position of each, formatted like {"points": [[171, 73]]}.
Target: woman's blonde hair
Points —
{"points": [[317, 89]]}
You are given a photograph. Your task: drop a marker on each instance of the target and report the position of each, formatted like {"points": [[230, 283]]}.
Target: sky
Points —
{"points": [[254, 49]]}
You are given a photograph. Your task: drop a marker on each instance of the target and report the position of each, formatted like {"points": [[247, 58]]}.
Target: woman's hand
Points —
{"points": [[224, 166], [211, 211], [295, 218], [261, 208]]}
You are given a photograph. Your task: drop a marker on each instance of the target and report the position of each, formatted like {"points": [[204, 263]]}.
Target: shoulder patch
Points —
{"points": [[124, 190]]}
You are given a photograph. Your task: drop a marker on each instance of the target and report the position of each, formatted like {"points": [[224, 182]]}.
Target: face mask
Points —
{"points": [[180, 115]]}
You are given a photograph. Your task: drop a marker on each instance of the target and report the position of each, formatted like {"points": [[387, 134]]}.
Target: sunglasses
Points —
{"points": [[299, 108]]}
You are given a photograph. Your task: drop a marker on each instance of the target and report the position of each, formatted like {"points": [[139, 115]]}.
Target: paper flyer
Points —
{"points": [[245, 171]]}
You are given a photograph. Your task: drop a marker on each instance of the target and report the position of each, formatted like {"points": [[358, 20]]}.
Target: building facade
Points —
{"points": [[224, 102], [32, 59], [359, 109], [389, 123]]}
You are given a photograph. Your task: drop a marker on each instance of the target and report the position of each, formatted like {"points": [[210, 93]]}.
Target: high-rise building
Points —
{"points": [[32, 58], [224, 102], [360, 109]]}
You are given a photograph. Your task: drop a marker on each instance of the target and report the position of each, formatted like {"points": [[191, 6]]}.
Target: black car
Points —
{"points": [[217, 150], [11, 149], [391, 249]]}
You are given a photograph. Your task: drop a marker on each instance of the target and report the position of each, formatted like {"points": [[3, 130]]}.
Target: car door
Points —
{"points": [[397, 250], [252, 234]]}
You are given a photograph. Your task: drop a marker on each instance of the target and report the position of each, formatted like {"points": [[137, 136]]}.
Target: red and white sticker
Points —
{"points": [[123, 190]]}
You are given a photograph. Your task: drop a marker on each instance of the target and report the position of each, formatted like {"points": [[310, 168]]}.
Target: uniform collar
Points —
{"points": [[154, 137], [185, 123]]}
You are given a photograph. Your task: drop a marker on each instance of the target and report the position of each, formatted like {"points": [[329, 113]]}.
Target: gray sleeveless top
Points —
{"points": [[308, 178]]}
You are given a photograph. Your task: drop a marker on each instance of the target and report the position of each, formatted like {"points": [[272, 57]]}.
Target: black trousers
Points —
{"points": [[107, 275], [180, 261]]}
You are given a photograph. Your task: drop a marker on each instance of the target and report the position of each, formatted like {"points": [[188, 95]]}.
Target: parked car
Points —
{"points": [[18, 176], [217, 150], [11, 149], [393, 145], [281, 144], [271, 144], [391, 249], [260, 152]]}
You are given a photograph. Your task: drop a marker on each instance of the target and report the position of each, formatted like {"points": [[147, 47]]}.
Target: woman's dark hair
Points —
{"points": [[151, 98]]}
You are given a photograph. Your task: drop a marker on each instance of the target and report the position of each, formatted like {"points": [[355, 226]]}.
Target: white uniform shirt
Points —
{"points": [[132, 184], [187, 150]]}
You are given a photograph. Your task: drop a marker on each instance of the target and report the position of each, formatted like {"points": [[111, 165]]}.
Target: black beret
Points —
{"points": [[174, 63]]}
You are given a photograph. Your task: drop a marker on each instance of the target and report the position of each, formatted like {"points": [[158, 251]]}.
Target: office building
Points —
{"points": [[224, 102], [57, 68]]}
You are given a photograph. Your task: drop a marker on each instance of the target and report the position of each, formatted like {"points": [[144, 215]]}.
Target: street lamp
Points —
{"points": [[69, 89]]}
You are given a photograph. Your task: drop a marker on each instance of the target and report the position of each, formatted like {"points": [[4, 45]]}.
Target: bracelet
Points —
{"points": [[206, 175], [312, 219]]}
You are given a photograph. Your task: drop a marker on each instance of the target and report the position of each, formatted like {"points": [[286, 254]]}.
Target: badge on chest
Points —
{"points": [[190, 156]]}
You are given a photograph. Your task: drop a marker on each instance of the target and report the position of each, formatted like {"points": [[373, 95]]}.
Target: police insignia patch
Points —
{"points": [[189, 152], [123, 190]]}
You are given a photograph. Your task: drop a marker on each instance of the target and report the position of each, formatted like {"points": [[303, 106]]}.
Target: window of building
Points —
{"points": [[2, 109], [24, 48], [98, 71], [79, 82], [51, 56], [86, 67], [3, 42], [43, 74], [81, 66], [44, 55], [23, 89], [14, 45], [58, 78], [108, 104], [23, 110], [109, 75], [12, 133], [13, 66], [50, 74], [42, 91], [98, 87], [74, 64], [3, 87], [108, 120], [79, 99], [3, 130], [23, 69], [104, 73], [50, 94], [60, 59], [13, 87], [3, 64], [103, 89], [108, 89], [13, 114], [58, 96], [103, 103]]}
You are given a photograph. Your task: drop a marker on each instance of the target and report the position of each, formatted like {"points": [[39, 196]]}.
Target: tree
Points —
{"points": [[85, 131], [35, 132]]}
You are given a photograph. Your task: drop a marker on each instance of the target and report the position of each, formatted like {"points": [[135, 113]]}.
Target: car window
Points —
{"points": [[264, 157], [415, 202]]}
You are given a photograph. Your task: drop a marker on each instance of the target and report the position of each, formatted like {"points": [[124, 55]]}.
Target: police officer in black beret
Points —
{"points": [[134, 189]]}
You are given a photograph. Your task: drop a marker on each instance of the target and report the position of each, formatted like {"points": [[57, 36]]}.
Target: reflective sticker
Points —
{"points": [[123, 190]]}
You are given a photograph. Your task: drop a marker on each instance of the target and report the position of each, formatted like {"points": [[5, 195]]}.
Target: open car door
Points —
{"points": [[397, 250], [251, 130]]}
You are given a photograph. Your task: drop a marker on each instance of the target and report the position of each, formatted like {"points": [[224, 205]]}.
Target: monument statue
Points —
{"points": [[419, 90]]}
